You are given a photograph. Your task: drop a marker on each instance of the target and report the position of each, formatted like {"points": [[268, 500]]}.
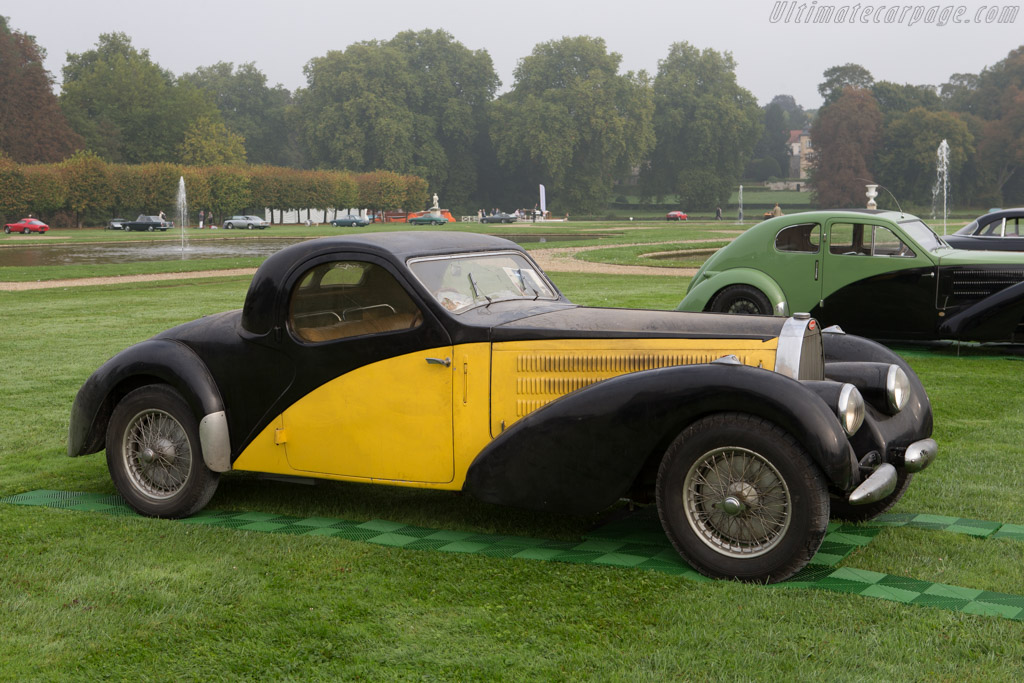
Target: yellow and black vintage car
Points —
{"points": [[450, 361]]}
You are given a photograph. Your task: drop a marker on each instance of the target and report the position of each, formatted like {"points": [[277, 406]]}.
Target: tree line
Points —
{"points": [[86, 189], [422, 104], [889, 133]]}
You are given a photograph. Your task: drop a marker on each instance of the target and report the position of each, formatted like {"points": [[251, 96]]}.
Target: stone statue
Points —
{"points": [[435, 206]]}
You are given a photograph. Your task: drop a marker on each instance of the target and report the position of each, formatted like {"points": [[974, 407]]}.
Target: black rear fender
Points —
{"points": [[585, 450]]}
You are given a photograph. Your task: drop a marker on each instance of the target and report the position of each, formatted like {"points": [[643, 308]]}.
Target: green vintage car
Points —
{"points": [[879, 274]]}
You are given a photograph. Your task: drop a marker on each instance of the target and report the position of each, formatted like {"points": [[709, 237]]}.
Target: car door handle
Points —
{"points": [[929, 274], [447, 362]]}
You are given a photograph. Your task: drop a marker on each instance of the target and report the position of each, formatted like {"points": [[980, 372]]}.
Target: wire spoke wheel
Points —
{"points": [[737, 501], [157, 454], [743, 307], [741, 300], [154, 454], [740, 498]]}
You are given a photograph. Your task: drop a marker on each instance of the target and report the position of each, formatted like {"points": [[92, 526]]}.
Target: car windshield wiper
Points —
{"points": [[476, 290], [523, 285]]}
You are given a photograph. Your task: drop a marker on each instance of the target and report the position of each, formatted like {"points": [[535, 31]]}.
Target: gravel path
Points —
{"points": [[120, 279]]}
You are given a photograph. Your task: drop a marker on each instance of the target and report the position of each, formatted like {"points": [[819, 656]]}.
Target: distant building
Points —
{"points": [[799, 153]]}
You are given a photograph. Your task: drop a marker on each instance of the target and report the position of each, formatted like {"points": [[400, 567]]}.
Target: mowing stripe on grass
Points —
{"points": [[635, 541]]}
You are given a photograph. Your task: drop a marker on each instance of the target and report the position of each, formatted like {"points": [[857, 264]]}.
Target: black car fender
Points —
{"points": [[583, 451], [155, 361], [994, 318], [915, 420]]}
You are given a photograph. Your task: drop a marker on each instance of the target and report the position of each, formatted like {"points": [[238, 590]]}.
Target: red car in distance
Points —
{"points": [[25, 226], [676, 216]]}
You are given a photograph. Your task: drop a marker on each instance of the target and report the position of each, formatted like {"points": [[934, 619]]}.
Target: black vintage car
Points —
{"points": [[994, 231], [450, 361], [147, 223], [499, 217]]}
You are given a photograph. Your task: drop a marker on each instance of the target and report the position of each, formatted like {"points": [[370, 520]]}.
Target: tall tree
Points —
{"points": [[32, 127], [705, 124], [895, 99], [126, 107], [846, 134], [210, 143], [572, 122], [251, 109], [906, 160], [991, 103], [838, 78], [414, 104]]}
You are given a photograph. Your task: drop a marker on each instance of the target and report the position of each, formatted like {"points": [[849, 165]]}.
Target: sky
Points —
{"points": [[777, 51]]}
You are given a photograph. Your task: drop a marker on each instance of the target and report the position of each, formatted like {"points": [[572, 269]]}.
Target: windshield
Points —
{"points": [[462, 281], [924, 235]]}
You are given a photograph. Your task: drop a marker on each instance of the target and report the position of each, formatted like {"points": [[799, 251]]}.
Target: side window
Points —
{"points": [[994, 229], [804, 238], [344, 299], [888, 244], [846, 238]]}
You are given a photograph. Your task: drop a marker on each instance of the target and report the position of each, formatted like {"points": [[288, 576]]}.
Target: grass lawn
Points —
{"points": [[89, 597]]}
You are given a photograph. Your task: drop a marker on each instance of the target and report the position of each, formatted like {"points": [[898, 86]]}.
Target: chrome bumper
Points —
{"points": [[920, 454], [880, 484], [882, 481]]}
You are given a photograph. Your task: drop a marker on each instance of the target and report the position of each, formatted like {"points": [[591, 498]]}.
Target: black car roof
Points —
{"points": [[396, 247]]}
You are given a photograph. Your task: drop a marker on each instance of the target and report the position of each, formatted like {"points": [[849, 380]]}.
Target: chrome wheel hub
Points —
{"points": [[737, 502], [157, 454]]}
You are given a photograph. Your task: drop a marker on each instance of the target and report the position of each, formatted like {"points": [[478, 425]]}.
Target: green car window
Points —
{"points": [[848, 239], [886, 243], [804, 238]]}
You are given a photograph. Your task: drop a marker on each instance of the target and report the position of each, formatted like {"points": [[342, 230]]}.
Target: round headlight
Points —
{"points": [[897, 388], [850, 409]]}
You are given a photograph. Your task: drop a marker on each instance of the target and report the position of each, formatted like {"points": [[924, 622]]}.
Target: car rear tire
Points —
{"points": [[154, 454], [739, 498], [741, 300], [149, 228], [249, 226]]}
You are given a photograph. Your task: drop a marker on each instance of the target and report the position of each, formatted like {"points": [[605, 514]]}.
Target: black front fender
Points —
{"points": [[994, 318], [583, 451], [152, 361]]}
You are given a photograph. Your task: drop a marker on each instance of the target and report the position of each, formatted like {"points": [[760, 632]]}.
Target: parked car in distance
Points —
{"points": [[995, 231], [246, 222], [116, 224], [26, 226], [500, 217], [147, 223], [350, 221], [427, 219], [880, 274], [450, 361], [676, 216]]}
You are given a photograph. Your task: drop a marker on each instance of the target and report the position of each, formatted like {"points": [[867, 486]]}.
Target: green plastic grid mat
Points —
{"points": [[635, 541]]}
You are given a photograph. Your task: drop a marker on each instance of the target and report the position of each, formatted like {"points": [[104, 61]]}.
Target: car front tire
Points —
{"points": [[154, 454], [741, 299], [7, 231], [739, 498]]}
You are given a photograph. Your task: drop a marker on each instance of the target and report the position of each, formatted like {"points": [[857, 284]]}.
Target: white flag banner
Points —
{"points": [[543, 200]]}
